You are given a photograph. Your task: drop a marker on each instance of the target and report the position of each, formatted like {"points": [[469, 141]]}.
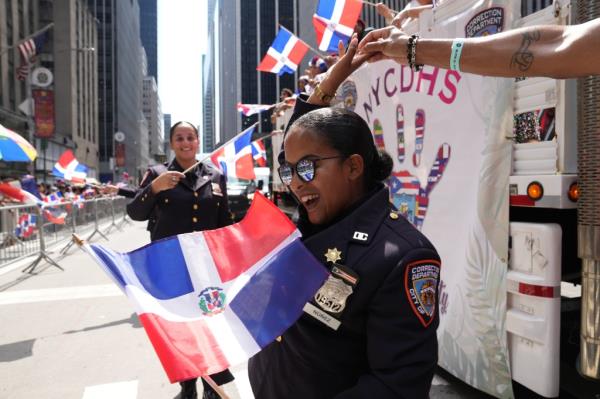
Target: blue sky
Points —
{"points": [[181, 43]]}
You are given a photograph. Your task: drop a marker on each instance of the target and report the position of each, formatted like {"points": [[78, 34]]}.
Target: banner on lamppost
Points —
{"points": [[119, 154], [44, 113]]}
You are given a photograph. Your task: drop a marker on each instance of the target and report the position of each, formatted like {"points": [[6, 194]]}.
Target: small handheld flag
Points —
{"points": [[69, 168], [284, 55], [335, 21]]}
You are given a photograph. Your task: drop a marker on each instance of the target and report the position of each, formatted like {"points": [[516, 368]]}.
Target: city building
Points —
{"points": [[166, 131], [149, 34], [242, 31], [153, 114], [62, 80], [119, 88]]}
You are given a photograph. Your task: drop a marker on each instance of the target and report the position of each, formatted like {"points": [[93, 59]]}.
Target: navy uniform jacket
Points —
{"points": [[386, 345], [198, 202]]}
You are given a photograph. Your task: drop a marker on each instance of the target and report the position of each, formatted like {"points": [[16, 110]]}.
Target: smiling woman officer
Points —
{"points": [[370, 330], [178, 204]]}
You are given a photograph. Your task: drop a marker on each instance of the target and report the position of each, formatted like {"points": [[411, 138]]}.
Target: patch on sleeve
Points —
{"points": [[420, 282]]}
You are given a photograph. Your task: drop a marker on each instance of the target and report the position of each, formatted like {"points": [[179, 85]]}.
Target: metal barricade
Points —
{"points": [[27, 230]]}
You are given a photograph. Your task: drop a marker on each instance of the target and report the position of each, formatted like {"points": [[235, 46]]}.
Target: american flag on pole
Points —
{"points": [[29, 49]]}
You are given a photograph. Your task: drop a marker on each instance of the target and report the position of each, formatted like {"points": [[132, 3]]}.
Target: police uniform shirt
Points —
{"points": [[198, 202], [386, 344]]}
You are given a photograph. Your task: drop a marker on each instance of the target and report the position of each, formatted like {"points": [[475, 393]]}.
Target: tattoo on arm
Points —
{"points": [[523, 57]]}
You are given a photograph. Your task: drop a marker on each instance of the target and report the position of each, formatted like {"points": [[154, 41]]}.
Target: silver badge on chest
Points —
{"points": [[333, 294]]}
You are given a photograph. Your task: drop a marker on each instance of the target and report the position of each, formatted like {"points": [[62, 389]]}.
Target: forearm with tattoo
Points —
{"points": [[523, 57]]}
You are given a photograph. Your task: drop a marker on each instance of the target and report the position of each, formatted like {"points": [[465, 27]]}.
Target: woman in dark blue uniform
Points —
{"points": [[180, 203], [370, 331]]}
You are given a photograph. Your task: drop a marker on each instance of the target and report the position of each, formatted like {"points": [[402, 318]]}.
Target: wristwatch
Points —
{"points": [[321, 95]]}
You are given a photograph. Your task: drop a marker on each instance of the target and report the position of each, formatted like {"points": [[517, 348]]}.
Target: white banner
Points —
{"points": [[447, 133]]}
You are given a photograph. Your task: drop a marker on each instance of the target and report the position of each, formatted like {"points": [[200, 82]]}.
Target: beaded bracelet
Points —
{"points": [[411, 49]]}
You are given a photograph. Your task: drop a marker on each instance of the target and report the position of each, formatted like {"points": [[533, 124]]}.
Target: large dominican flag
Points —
{"points": [[210, 300], [334, 21], [69, 168], [284, 55], [235, 159]]}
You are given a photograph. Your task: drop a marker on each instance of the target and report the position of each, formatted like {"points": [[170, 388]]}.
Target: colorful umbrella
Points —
{"points": [[14, 148]]}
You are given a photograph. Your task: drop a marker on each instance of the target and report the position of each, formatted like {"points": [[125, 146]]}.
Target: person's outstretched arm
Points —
{"points": [[553, 51]]}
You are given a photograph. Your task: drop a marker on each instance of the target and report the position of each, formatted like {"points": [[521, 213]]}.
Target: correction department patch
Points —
{"points": [[487, 22], [420, 282], [211, 301]]}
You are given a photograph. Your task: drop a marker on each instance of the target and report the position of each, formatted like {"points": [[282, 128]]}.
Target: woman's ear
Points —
{"points": [[356, 166]]}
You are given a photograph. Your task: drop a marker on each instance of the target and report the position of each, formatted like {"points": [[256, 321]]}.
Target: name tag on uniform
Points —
{"points": [[216, 189], [329, 302]]}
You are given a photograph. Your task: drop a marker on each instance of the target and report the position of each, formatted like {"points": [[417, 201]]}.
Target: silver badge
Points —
{"points": [[333, 294]]}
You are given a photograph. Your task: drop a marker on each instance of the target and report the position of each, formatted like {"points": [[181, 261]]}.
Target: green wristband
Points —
{"points": [[455, 53]]}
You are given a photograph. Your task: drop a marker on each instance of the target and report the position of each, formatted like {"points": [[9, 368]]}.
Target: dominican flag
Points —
{"points": [[251, 109], [53, 198], [334, 21], [259, 153], [26, 225], [284, 55], [69, 168], [234, 159], [55, 215], [210, 300], [17, 193]]}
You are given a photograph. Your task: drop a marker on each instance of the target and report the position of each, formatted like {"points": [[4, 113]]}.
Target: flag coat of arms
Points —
{"points": [[212, 299], [334, 21], [235, 159], [69, 168], [284, 55]]}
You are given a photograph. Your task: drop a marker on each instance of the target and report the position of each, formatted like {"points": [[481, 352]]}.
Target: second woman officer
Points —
{"points": [[179, 204]]}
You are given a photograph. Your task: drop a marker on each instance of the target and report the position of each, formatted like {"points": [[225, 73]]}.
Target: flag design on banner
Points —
{"points": [[334, 21], [284, 55], [26, 225], [251, 109], [19, 194], [69, 168], [259, 153], [28, 50], [234, 159], [209, 300]]}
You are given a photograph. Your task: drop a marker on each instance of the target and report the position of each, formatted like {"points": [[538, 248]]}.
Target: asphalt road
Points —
{"points": [[72, 334]]}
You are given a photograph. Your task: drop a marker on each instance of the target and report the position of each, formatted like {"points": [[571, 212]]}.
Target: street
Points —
{"points": [[72, 334]]}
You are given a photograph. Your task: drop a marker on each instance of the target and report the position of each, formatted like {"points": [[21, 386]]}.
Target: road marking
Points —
{"points": [[59, 294], [437, 380], [116, 390]]}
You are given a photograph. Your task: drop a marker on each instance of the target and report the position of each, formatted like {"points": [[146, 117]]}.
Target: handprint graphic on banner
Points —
{"points": [[407, 193]]}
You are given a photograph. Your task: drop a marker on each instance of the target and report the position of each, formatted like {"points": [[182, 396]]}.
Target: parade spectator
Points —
{"points": [[302, 84], [376, 339], [532, 51], [183, 203]]}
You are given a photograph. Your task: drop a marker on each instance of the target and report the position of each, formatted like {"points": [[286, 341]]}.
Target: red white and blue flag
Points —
{"points": [[284, 55], [29, 49], [17, 193], [210, 300], [251, 109], [69, 168], [259, 153], [53, 198], [26, 225], [334, 21], [234, 159]]}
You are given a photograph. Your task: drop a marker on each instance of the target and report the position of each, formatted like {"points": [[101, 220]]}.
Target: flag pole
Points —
{"points": [[214, 386], [307, 45], [228, 141], [34, 34]]}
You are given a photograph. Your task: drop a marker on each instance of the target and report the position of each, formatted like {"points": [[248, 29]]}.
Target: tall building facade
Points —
{"points": [[149, 34], [119, 87], [239, 35], [152, 110], [68, 86]]}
